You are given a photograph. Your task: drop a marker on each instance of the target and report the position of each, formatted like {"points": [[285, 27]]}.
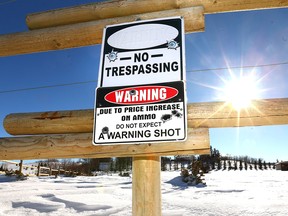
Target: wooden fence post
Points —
{"points": [[20, 167], [146, 186], [38, 171]]}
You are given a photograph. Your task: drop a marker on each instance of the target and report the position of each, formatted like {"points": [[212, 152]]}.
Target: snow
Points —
{"points": [[227, 193]]}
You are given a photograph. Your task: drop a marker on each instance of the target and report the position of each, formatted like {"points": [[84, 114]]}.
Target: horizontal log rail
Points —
{"points": [[207, 115], [58, 122], [80, 146], [17, 163], [110, 9], [10, 162], [82, 33], [85, 34], [222, 114], [48, 171]]}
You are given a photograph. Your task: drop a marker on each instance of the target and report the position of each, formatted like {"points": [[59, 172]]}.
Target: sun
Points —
{"points": [[237, 88], [240, 91]]}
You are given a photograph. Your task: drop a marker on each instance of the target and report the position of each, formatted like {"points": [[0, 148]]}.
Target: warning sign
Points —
{"points": [[141, 93], [142, 52], [142, 113]]}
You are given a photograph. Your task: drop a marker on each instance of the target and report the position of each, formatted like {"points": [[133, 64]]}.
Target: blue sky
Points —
{"points": [[230, 40]]}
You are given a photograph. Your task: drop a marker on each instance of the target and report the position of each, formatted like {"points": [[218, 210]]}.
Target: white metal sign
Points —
{"points": [[141, 93], [146, 113], [142, 52]]}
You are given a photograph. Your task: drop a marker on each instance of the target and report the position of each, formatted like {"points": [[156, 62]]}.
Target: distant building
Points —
{"points": [[283, 166], [104, 164]]}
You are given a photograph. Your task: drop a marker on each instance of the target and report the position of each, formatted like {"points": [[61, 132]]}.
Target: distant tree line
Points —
{"points": [[215, 161], [193, 167], [3, 168], [205, 163], [88, 166]]}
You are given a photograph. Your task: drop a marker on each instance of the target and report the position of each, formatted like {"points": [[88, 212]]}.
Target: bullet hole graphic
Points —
{"points": [[172, 44], [132, 92], [176, 113], [166, 117], [105, 130], [112, 56]]}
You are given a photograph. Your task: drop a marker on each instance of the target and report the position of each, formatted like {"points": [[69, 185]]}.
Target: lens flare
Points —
{"points": [[241, 91]]}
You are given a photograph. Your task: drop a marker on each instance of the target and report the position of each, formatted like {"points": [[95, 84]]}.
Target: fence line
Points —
{"points": [[49, 171], [41, 170]]}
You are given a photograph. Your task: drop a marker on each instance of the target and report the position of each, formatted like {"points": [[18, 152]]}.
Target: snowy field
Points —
{"points": [[227, 193]]}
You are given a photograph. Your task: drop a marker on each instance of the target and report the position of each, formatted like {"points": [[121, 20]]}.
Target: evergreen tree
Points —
{"points": [[170, 165], [255, 165], [164, 162], [265, 165], [112, 165], [176, 165], [260, 164], [217, 158], [196, 175], [235, 165], [212, 163], [241, 165], [229, 165], [219, 165], [86, 166], [123, 163], [245, 165], [205, 162], [224, 165]]}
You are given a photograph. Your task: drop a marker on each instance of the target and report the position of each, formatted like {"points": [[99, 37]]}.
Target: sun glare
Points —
{"points": [[237, 88], [240, 91]]}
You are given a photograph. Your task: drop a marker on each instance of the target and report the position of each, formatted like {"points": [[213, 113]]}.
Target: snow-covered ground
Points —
{"points": [[227, 193]]}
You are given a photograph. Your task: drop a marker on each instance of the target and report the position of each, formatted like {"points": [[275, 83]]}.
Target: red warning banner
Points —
{"points": [[141, 95]]}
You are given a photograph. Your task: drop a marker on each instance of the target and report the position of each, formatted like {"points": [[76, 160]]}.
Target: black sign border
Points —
{"points": [[181, 93], [176, 22]]}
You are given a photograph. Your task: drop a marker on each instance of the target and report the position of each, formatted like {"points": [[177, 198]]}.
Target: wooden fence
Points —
{"points": [[48, 171], [82, 26], [41, 170]]}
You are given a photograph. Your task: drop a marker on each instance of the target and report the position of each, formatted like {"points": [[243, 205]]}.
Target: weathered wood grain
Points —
{"points": [[208, 115], [146, 187], [79, 145], [110, 9], [221, 114], [58, 122], [85, 34]]}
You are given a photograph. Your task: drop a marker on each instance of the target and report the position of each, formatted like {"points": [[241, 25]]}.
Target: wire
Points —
{"points": [[45, 87], [188, 71], [7, 2], [238, 67]]}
